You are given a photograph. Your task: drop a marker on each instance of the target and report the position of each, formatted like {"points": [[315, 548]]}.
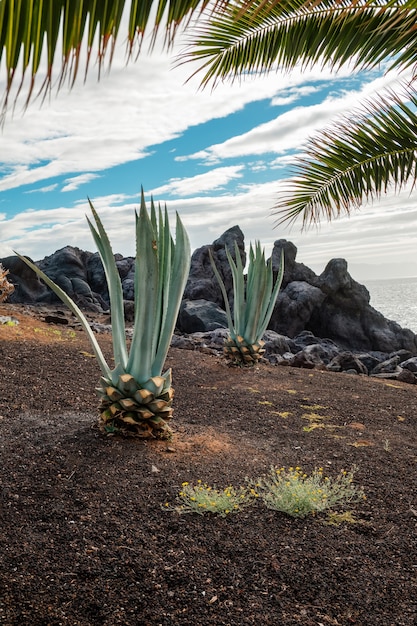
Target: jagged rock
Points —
{"points": [[386, 335], [28, 288], [294, 307], [403, 354], [125, 266], [96, 277], [129, 309], [276, 344], [332, 305], [280, 359], [301, 359], [339, 317], [202, 283], [320, 353], [403, 375], [410, 364], [183, 342], [210, 341], [8, 319], [370, 360], [215, 338], [337, 282], [346, 361], [126, 269], [346, 316], [387, 367], [200, 315], [60, 320], [129, 289], [307, 338], [293, 271], [406, 376], [67, 267]]}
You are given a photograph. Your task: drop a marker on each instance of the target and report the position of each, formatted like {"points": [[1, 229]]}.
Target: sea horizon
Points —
{"points": [[395, 298]]}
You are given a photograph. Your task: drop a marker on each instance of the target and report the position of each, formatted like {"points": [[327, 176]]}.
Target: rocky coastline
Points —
{"points": [[320, 321]]}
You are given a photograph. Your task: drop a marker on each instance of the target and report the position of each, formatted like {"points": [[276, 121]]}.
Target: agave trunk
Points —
{"points": [[136, 409], [243, 353]]}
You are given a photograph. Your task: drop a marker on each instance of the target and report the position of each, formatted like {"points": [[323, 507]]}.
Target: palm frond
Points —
{"points": [[353, 162], [255, 37], [59, 28]]}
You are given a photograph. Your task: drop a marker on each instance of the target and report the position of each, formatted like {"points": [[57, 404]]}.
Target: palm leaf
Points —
{"points": [[353, 162], [59, 28], [258, 36]]}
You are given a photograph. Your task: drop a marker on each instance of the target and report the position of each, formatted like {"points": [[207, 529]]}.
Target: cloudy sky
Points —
{"points": [[217, 157]]}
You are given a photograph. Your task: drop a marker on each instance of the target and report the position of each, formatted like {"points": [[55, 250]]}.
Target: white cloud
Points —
{"points": [[289, 130], [43, 189], [215, 179], [98, 125], [378, 238], [76, 181], [126, 115], [293, 94]]}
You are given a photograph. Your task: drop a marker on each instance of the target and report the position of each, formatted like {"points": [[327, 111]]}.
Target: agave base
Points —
{"points": [[242, 353], [137, 410]]}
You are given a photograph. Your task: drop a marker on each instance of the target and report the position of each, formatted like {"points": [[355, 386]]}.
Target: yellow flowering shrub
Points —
{"points": [[291, 491], [202, 498]]}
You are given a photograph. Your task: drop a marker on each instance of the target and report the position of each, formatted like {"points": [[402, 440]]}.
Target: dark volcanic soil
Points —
{"points": [[84, 540]]}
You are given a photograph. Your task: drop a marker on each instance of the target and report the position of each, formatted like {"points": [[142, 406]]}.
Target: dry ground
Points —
{"points": [[84, 540]]}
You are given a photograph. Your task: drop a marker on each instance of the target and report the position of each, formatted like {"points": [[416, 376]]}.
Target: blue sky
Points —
{"points": [[217, 157]]}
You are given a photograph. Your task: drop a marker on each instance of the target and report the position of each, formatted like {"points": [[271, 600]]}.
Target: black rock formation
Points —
{"points": [[332, 306]]}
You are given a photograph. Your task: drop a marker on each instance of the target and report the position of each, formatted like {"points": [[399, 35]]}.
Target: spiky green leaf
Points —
{"points": [[230, 324], [175, 272], [162, 268], [115, 288], [254, 300]]}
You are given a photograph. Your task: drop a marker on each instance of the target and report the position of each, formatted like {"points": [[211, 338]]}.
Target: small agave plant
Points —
{"points": [[136, 396], [253, 304]]}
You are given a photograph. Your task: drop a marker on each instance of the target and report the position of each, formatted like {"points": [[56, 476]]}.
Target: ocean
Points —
{"points": [[396, 299]]}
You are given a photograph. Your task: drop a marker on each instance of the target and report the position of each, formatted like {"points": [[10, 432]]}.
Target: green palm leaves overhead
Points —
{"points": [[66, 31], [263, 35], [369, 155], [357, 159], [136, 395], [231, 39]]}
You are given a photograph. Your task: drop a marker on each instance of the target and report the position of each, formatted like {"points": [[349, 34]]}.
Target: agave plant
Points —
{"points": [[253, 304], [136, 395]]}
